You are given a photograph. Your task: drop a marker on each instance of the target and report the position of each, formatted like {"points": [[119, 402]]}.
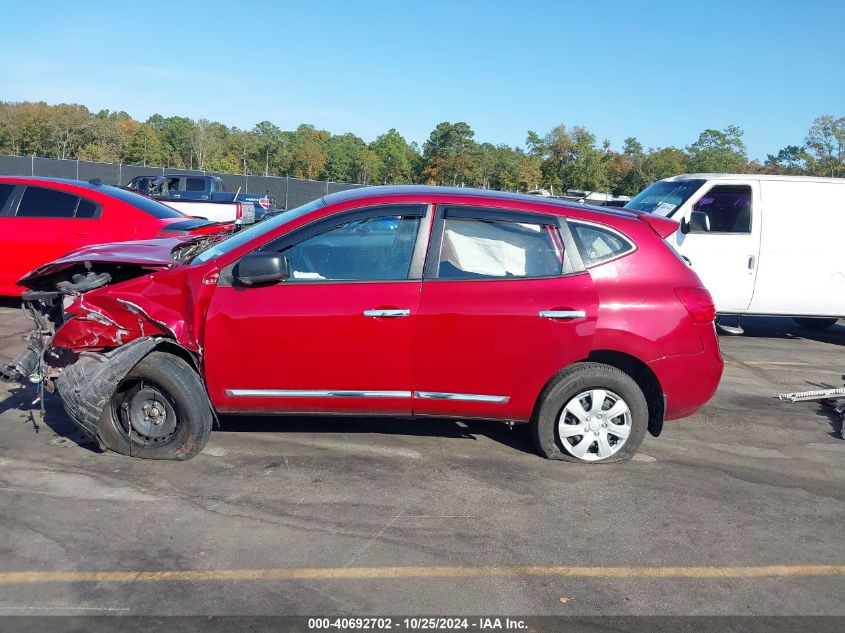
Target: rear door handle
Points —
{"points": [[751, 261], [386, 314], [563, 314]]}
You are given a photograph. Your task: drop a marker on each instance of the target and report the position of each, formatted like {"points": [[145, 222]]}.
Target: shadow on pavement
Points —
{"points": [[786, 328], [518, 437], [24, 399]]}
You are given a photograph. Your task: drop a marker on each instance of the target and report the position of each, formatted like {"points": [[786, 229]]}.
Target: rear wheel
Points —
{"points": [[592, 413], [815, 323], [159, 411]]}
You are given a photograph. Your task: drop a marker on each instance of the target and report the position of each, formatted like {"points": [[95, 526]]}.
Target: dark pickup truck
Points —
{"points": [[201, 188]]}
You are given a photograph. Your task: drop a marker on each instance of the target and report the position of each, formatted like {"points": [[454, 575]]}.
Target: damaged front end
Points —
{"points": [[87, 337]]}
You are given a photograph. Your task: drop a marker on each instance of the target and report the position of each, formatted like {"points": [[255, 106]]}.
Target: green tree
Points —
{"points": [[450, 155], [789, 160], [342, 157], [177, 135], [396, 157], [145, 147], [269, 141], [718, 151], [663, 163], [826, 144]]}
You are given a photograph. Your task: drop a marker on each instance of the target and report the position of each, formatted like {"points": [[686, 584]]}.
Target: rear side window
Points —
{"points": [[38, 202], [5, 192], [195, 184], [475, 248], [598, 244]]}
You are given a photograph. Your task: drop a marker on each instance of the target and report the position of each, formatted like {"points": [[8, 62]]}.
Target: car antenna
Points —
{"points": [[97, 182]]}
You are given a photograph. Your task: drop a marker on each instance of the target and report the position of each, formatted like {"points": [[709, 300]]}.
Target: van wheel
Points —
{"points": [[591, 413], [815, 324], [159, 411]]}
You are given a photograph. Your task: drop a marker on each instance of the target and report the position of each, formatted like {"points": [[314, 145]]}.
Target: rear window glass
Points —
{"points": [[38, 202], [195, 184], [597, 244], [151, 207], [5, 192]]}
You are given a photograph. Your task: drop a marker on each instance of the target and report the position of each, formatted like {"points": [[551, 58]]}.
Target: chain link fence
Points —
{"points": [[288, 192]]}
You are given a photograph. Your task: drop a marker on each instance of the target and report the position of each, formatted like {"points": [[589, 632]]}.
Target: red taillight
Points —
{"points": [[239, 213], [698, 303]]}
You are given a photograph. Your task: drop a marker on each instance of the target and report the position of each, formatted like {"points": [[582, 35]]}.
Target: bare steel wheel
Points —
{"points": [[146, 412], [594, 425]]}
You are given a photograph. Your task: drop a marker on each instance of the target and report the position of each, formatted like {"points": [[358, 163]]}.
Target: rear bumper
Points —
{"points": [[688, 381]]}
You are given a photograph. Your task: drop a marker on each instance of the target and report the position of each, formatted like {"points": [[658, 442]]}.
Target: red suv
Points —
{"points": [[44, 218], [396, 301]]}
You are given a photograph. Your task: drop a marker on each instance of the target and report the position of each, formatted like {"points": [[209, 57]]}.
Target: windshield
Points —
{"points": [[155, 209], [256, 230], [664, 196]]}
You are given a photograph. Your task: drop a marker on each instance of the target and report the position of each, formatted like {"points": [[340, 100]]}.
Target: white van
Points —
{"points": [[767, 245]]}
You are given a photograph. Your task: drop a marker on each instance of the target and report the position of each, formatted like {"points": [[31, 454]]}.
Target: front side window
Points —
{"points": [[474, 248], [728, 208], [369, 249], [39, 202], [598, 244]]}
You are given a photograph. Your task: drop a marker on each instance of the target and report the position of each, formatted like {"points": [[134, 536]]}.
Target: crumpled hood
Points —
{"points": [[153, 254]]}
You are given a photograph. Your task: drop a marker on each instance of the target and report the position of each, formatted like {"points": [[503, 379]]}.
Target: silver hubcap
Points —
{"points": [[595, 424]]}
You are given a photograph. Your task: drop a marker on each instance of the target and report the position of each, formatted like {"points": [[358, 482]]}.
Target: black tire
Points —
{"points": [[184, 394], [817, 324], [568, 384]]}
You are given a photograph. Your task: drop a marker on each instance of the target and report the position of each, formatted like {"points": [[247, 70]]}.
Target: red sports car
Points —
{"points": [[398, 301], [42, 219]]}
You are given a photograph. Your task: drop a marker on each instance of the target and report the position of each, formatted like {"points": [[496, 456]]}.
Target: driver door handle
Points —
{"points": [[386, 314]]}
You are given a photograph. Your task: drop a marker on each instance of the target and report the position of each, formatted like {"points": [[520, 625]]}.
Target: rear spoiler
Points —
{"points": [[664, 227]]}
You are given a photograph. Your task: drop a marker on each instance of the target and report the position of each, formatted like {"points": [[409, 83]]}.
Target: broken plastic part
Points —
{"points": [[87, 385]]}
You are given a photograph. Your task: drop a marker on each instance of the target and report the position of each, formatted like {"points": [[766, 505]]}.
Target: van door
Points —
{"points": [[721, 237], [802, 272]]}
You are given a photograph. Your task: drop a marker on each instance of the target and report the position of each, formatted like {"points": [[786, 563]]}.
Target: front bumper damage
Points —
{"points": [[85, 340]]}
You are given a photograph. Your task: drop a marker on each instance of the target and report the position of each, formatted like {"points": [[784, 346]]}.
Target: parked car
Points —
{"points": [[397, 301], [180, 191], [42, 219], [767, 245]]}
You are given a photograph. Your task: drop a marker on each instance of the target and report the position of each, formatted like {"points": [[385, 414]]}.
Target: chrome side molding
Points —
{"points": [[313, 393], [345, 393], [468, 397]]}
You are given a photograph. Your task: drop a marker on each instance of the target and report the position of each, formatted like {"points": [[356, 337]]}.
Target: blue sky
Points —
{"points": [[661, 71]]}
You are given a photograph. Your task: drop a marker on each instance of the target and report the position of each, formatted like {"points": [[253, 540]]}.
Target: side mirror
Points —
{"points": [[262, 268], [699, 222]]}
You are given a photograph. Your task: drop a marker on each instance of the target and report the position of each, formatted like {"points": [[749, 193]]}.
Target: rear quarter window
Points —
{"points": [[598, 244]]}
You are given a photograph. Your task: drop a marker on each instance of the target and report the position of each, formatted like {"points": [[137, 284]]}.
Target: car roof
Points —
{"points": [[61, 181], [722, 176], [431, 191]]}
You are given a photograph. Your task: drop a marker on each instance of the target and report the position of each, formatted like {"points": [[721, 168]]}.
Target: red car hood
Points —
{"points": [[153, 254]]}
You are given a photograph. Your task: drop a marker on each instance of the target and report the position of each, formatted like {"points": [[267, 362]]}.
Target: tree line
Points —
{"points": [[563, 158]]}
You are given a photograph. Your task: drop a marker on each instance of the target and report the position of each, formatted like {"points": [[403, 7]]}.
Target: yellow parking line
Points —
{"points": [[363, 573]]}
